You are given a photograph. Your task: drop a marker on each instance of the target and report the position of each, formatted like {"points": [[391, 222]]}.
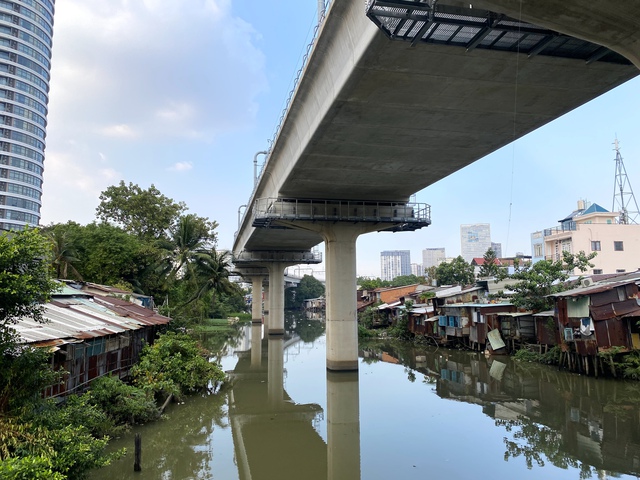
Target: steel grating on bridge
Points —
{"points": [[431, 22]]}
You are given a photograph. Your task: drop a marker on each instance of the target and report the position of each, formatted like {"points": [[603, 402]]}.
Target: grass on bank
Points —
{"points": [[221, 325]]}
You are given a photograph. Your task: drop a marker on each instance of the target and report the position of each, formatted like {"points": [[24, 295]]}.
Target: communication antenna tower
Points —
{"points": [[623, 197]]}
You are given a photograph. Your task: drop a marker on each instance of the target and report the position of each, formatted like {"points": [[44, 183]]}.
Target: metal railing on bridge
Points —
{"points": [[277, 256], [270, 212]]}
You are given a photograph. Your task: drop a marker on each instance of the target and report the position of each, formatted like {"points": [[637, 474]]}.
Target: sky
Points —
{"points": [[182, 94]]}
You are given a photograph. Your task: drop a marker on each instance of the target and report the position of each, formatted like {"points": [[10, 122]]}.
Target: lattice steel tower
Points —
{"points": [[623, 197]]}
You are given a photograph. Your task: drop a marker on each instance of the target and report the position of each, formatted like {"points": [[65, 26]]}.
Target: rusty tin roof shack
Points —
{"points": [[601, 315], [91, 336]]}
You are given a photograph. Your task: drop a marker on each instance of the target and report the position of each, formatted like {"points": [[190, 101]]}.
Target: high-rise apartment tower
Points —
{"points": [[26, 30], [394, 263], [475, 240]]}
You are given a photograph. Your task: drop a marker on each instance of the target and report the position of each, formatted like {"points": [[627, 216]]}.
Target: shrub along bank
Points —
{"points": [[42, 440]]}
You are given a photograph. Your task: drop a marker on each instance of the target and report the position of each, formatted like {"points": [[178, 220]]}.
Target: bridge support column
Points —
{"points": [[256, 345], [276, 297], [341, 292], [343, 425], [256, 298], [275, 371], [267, 303]]}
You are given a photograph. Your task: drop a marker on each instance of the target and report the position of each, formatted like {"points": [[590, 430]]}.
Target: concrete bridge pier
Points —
{"points": [[276, 297], [275, 371], [266, 307], [256, 345], [256, 298], [341, 293], [343, 425]]}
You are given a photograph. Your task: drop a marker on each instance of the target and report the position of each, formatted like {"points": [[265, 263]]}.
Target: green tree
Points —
{"points": [[211, 274], [430, 275], [372, 283], [457, 272], [309, 287], [109, 255], [490, 266], [145, 213], [65, 254], [191, 236], [404, 280], [25, 276], [176, 365], [531, 283], [25, 372]]}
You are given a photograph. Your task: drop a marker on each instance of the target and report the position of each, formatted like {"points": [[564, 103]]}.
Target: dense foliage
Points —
{"points": [[456, 272], [175, 365], [531, 283], [309, 287], [25, 278], [490, 267], [400, 281]]}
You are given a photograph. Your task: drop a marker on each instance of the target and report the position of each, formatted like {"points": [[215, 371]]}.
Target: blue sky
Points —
{"points": [[183, 93]]}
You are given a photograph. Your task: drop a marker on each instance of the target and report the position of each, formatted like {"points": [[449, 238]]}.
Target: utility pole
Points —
{"points": [[623, 197]]}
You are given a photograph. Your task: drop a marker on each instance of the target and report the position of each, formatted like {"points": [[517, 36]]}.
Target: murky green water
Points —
{"points": [[407, 414]]}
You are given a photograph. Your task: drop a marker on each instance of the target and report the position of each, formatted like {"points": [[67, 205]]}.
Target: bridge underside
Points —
{"points": [[377, 119]]}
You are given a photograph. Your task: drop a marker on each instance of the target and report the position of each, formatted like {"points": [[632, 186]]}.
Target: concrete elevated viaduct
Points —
{"points": [[398, 94]]}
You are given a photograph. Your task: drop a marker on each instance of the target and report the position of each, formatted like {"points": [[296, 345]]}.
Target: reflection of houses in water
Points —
{"points": [[591, 422]]}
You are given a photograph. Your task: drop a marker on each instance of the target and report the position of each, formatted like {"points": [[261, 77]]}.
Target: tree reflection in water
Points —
{"points": [[535, 442], [566, 420]]}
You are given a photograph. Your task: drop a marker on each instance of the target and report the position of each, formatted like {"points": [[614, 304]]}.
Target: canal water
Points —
{"points": [[408, 413]]}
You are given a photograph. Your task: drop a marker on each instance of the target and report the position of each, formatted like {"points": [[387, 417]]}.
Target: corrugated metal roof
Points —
{"points": [[478, 305], [546, 313], [598, 287], [76, 318]]}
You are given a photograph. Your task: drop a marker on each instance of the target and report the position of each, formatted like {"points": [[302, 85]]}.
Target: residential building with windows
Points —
{"points": [[417, 270], [26, 31], [395, 263], [432, 257], [497, 249], [591, 228], [475, 240]]}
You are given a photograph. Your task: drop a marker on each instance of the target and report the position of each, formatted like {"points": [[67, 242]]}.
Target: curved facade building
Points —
{"points": [[26, 31]]}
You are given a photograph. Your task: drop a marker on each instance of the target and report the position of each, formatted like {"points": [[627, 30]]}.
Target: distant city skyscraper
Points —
{"points": [[394, 263], [417, 270], [432, 257], [26, 31], [497, 248], [475, 240]]}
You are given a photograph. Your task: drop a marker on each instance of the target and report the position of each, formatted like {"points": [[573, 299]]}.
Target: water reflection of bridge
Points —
{"points": [[554, 417], [276, 438]]}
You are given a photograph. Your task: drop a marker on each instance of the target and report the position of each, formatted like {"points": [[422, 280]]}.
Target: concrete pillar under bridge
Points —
{"points": [[276, 297], [267, 306], [256, 275], [341, 289], [256, 298], [339, 223], [275, 262]]}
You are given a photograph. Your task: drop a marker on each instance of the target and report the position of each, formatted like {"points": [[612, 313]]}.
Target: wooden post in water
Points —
{"points": [[137, 467]]}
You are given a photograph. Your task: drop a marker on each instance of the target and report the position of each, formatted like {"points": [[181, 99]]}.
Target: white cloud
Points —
{"points": [[142, 64], [71, 188], [121, 131], [181, 167]]}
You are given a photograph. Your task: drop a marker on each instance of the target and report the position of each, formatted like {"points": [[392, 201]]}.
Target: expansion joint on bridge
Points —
{"points": [[392, 216]]}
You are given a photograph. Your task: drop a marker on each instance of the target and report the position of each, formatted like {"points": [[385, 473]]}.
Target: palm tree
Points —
{"points": [[64, 254], [191, 236], [210, 274]]}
